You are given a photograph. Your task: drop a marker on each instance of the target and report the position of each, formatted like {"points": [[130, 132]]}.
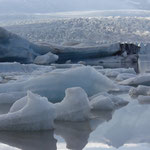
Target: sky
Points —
{"points": [[47, 6]]}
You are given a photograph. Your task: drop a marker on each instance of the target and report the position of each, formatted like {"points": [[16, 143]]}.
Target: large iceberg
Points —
{"points": [[14, 48], [53, 85], [32, 112], [79, 53]]}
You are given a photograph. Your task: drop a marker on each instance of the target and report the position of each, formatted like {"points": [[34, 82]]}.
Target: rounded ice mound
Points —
{"points": [[144, 99], [46, 59], [30, 113], [105, 101], [53, 85], [74, 107], [140, 90], [102, 103]]}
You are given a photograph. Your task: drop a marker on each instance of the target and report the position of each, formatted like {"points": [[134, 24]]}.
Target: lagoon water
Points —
{"points": [[125, 129]]}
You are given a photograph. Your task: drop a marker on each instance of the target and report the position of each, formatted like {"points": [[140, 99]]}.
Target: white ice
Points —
{"points": [[46, 59], [53, 85], [32, 113], [105, 101], [124, 76], [140, 90], [143, 79], [74, 107], [117, 71]]}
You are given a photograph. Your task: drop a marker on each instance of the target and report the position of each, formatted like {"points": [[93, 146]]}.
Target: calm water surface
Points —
{"points": [[125, 129]]}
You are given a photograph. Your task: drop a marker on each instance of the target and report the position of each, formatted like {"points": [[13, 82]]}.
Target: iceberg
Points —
{"points": [[31, 113], [140, 90], [124, 76], [45, 59], [138, 80], [102, 103], [19, 68], [74, 107], [66, 53], [115, 72], [14, 48], [144, 99], [105, 101], [53, 84]]}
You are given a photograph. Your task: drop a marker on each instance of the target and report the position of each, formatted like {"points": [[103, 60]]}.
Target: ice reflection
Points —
{"points": [[29, 140], [127, 129], [129, 125], [76, 134]]}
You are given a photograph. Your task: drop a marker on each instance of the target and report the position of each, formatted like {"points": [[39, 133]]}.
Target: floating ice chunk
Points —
{"points": [[124, 88], [74, 107], [118, 102], [79, 53], [103, 103], [22, 68], [64, 66], [46, 59], [117, 71], [98, 67], [144, 99], [124, 76], [139, 80], [140, 90], [53, 85], [32, 113]]}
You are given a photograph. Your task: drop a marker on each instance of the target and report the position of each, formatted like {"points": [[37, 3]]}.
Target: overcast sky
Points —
{"points": [[45, 6]]}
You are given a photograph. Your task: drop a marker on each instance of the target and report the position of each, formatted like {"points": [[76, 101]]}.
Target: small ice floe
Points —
{"points": [[105, 101], [115, 72], [64, 66], [144, 99], [74, 107], [32, 113], [138, 80], [124, 76], [18, 68], [102, 103], [140, 90], [53, 84], [46, 59]]}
